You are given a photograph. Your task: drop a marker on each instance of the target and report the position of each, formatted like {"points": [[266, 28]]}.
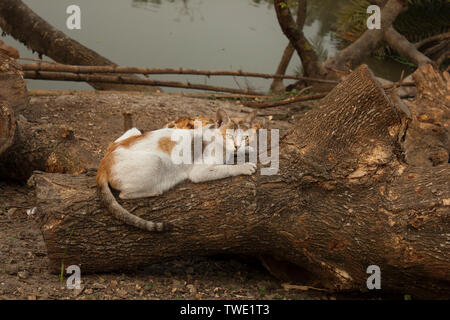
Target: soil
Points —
{"points": [[96, 119]]}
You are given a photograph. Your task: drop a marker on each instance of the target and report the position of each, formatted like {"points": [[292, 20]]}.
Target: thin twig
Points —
{"points": [[296, 98], [37, 60], [438, 37], [399, 84]]}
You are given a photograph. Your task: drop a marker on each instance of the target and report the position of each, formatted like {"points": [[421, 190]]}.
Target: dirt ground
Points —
{"points": [[96, 119]]}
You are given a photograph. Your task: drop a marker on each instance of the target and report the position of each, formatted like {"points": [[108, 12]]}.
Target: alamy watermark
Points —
{"points": [[374, 21], [220, 149], [374, 280], [74, 281], [74, 20]]}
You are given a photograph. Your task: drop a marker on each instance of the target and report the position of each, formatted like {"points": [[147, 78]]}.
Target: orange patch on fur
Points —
{"points": [[128, 142], [104, 170], [166, 145], [188, 123], [108, 161]]}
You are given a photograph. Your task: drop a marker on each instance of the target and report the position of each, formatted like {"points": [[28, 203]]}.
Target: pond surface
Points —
{"points": [[199, 34]]}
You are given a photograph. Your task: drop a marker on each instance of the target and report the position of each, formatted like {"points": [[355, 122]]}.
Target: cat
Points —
{"points": [[141, 165], [244, 123]]}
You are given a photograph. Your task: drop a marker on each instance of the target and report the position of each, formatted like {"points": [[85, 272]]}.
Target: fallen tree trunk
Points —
{"points": [[12, 85], [43, 147], [343, 199], [26, 146], [7, 128]]}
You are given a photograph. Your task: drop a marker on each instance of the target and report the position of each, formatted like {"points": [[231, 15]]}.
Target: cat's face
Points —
{"points": [[237, 132], [242, 131]]}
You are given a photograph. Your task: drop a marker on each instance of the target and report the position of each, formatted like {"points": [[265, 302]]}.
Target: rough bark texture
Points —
{"points": [[24, 146], [12, 84], [294, 32], [7, 128], [277, 84], [27, 27], [43, 147], [12, 96], [343, 199], [405, 48], [427, 142]]}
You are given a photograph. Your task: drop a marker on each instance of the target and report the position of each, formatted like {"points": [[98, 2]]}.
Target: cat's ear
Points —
{"points": [[221, 117], [251, 117]]}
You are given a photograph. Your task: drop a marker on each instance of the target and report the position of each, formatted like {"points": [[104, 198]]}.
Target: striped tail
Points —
{"points": [[121, 213]]}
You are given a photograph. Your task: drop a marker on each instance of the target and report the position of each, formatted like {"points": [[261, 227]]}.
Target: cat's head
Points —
{"points": [[237, 132], [188, 123]]}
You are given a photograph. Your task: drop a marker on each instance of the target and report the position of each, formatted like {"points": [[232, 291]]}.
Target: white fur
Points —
{"points": [[144, 170], [131, 132]]}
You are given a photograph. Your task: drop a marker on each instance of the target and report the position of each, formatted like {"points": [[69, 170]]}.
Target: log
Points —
{"points": [[12, 85], [427, 142], [12, 96], [343, 199], [7, 128], [26, 146], [43, 147]]}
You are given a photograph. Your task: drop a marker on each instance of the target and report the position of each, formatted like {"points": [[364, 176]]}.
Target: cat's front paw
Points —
{"points": [[246, 168]]}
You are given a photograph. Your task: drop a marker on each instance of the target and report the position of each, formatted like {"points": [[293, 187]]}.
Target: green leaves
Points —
{"points": [[283, 5]]}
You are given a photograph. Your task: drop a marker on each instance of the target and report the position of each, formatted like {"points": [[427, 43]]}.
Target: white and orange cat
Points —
{"points": [[140, 164]]}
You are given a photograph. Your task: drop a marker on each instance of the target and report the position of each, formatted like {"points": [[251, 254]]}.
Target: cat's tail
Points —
{"points": [[121, 213]]}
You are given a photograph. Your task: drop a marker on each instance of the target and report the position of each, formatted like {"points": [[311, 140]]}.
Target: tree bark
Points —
{"points": [[405, 48], [43, 147], [312, 67], [343, 199], [352, 56], [12, 85], [7, 128], [277, 83], [24, 146], [427, 142], [12, 96], [33, 31]]}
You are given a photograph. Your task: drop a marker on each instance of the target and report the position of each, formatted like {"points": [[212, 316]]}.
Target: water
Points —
{"points": [[198, 34]]}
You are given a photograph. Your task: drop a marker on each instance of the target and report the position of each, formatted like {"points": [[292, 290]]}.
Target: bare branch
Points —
{"points": [[405, 48], [146, 71], [310, 61], [62, 76], [438, 37], [361, 48]]}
